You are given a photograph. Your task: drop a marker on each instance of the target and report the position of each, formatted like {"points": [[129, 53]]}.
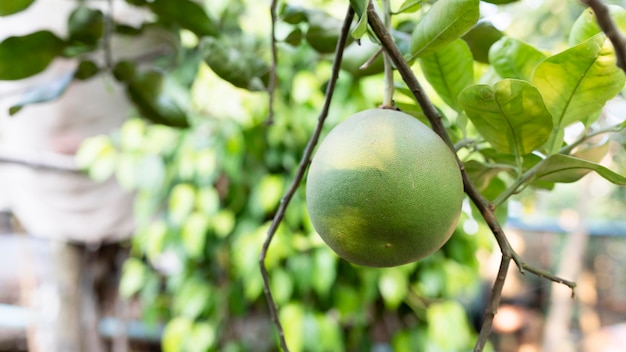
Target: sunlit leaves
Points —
{"points": [[565, 169], [512, 58], [511, 115], [24, 56], [577, 82], [446, 21], [586, 25], [443, 318], [449, 70]]}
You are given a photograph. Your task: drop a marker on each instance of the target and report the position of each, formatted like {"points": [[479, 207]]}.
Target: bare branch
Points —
{"points": [[271, 89], [494, 303], [304, 162], [47, 161], [610, 29], [484, 206]]}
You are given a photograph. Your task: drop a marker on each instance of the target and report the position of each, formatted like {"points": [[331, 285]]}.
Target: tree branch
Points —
{"points": [[485, 207], [610, 29], [271, 89], [304, 162]]}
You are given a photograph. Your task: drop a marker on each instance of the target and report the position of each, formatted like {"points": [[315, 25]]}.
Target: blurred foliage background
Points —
{"points": [[208, 171]]}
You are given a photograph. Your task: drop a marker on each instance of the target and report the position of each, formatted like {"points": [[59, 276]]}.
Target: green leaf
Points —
{"points": [[181, 202], [394, 286], [566, 169], [98, 155], [359, 6], [186, 14], [192, 298], [86, 69], [324, 271], [282, 285], [446, 21], [511, 115], [292, 317], [194, 234], [355, 55], [409, 6], [481, 38], [576, 83], [204, 337], [481, 174], [361, 27], [134, 273], [146, 91], [44, 92], [586, 25], [85, 27], [238, 65], [324, 29], [24, 56], [449, 70], [443, 318], [512, 58], [175, 334], [9, 7]]}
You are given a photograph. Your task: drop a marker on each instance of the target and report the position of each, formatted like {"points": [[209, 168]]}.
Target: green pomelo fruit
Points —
{"points": [[383, 189]]}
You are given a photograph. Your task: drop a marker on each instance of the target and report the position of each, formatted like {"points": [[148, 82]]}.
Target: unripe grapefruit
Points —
{"points": [[383, 189]]}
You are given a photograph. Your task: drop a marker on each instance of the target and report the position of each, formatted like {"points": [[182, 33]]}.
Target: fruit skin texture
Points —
{"points": [[383, 189]]}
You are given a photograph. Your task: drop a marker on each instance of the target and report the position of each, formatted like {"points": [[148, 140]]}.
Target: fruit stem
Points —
{"points": [[388, 65]]}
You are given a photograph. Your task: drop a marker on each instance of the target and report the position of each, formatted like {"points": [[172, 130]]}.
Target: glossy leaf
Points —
{"points": [[146, 91], [85, 26], [243, 68], [511, 115], [576, 83], [480, 39], [410, 6], [359, 6], [24, 56], [586, 25], [187, 14], [44, 92], [449, 70], [566, 169], [9, 7], [446, 21], [512, 58]]}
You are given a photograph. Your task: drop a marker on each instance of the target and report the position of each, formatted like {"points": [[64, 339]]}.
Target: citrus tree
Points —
{"points": [[227, 120]]}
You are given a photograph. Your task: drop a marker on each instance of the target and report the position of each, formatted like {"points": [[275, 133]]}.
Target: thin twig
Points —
{"points": [[271, 89], [609, 28], [304, 162], [494, 303], [108, 35], [484, 206], [388, 68], [60, 164], [530, 173]]}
